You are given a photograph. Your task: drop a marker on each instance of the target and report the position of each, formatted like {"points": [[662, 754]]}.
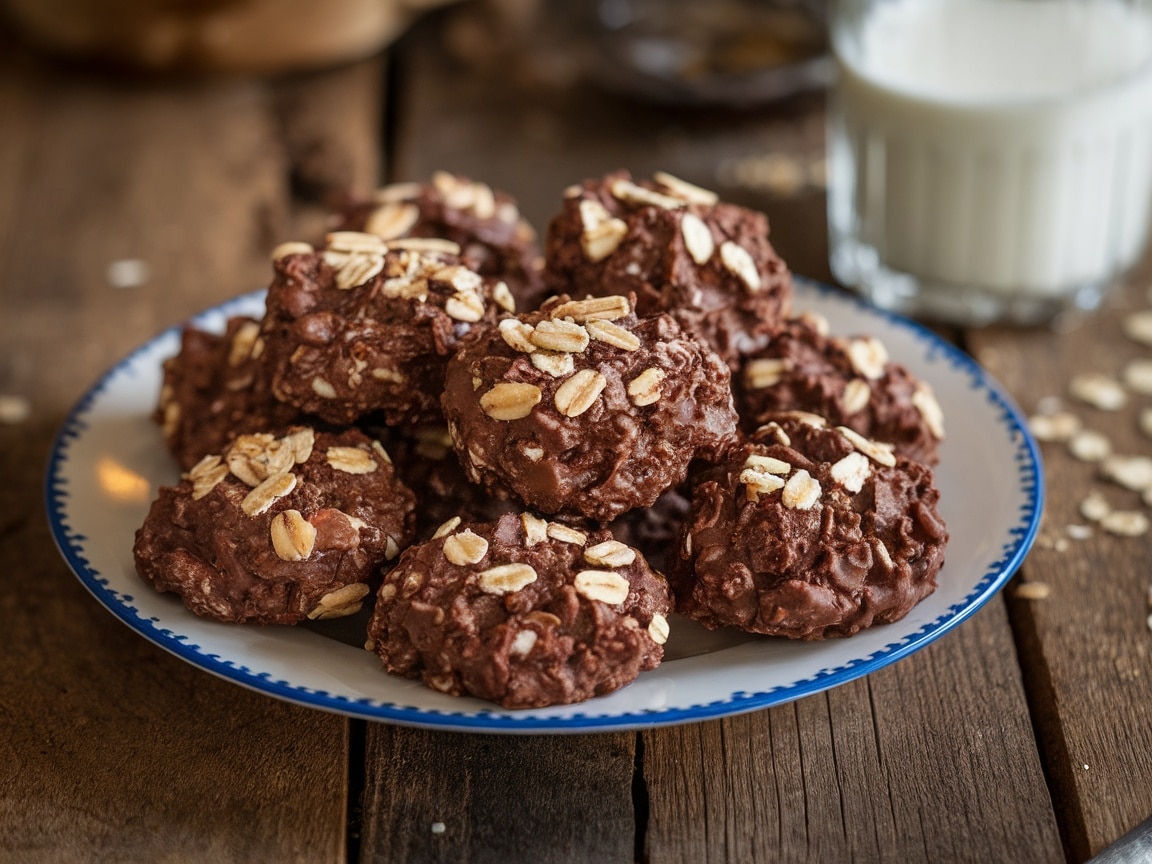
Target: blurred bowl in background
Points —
{"points": [[738, 53]]}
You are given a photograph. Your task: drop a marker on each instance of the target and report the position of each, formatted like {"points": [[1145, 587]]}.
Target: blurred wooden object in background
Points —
{"points": [[247, 36]]}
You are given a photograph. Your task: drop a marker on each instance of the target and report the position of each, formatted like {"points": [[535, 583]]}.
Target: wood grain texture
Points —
{"points": [[111, 749], [332, 124], [441, 796], [1086, 649], [930, 759]]}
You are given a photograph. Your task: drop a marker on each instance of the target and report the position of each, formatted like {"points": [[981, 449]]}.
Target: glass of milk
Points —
{"points": [[989, 160]]}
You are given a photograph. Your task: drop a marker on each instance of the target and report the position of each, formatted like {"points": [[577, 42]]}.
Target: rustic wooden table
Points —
{"points": [[1024, 735]]}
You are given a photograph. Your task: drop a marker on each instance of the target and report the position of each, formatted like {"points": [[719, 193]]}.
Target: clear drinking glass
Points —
{"points": [[989, 160]]}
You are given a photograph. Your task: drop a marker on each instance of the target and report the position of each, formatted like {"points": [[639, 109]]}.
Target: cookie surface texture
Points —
{"points": [[361, 327], [522, 611], [680, 250], [848, 381], [809, 532], [486, 224], [583, 408], [278, 530]]}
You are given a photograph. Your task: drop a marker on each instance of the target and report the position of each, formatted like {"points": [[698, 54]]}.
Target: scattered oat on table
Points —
{"points": [[1057, 426], [1052, 423], [1138, 327], [1094, 507], [1033, 591], [1131, 472], [1137, 376], [1125, 523], [1057, 544], [14, 409], [1098, 390], [1078, 532], [1088, 445], [127, 273]]}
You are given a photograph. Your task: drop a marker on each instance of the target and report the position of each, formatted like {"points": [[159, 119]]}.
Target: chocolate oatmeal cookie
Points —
{"points": [[426, 461], [494, 240], [583, 408], [679, 250], [850, 382], [216, 388], [655, 530], [809, 532], [522, 612], [361, 327], [277, 530]]}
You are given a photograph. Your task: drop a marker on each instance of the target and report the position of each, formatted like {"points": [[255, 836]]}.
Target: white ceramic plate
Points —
{"points": [[108, 461]]}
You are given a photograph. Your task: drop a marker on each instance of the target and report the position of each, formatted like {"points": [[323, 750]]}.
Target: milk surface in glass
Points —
{"points": [[989, 159]]}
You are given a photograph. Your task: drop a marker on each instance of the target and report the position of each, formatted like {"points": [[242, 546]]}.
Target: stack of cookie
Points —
{"points": [[502, 452]]}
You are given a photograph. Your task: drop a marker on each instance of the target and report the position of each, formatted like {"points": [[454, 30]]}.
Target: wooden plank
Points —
{"points": [[111, 749], [439, 796], [1086, 648], [927, 760], [331, 125], [187, 181]]}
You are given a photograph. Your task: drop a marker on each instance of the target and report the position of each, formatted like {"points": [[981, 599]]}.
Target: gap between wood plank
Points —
{"points": [[357, 777], [1051, 743], [390, 117], [640, 801], [1047, 729]]}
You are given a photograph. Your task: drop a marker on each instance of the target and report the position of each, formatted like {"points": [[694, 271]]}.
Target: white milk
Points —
{"points": [[1002, 145]]}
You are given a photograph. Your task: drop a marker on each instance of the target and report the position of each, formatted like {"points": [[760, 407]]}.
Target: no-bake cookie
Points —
{"points": [[522, 611], [361, 327], [494, 239], [679, 250], [583, 408], [216, 388], [277, 530], [809, 532], [848, 381]]}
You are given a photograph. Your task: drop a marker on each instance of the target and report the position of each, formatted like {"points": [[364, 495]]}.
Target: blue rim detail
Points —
{"points": [[1026, 457]]}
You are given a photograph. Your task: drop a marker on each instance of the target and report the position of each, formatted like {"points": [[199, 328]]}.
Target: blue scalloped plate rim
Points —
{"points": [[1015, 456]]}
